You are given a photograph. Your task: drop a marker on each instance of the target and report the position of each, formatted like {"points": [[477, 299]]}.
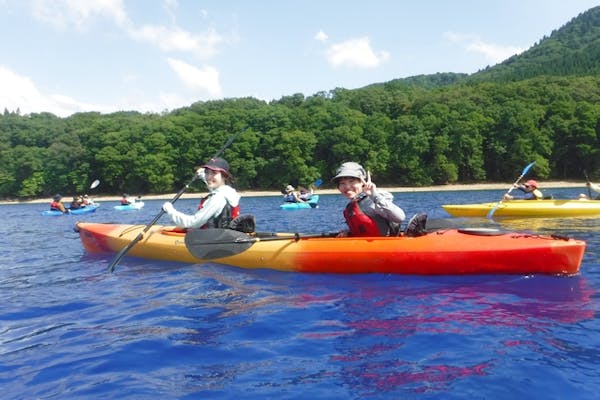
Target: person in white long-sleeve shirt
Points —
{"points": [[219, 207]]}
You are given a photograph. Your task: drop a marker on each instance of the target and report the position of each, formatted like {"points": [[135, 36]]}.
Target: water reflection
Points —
{"points": [[371, 329], [579, 224]]}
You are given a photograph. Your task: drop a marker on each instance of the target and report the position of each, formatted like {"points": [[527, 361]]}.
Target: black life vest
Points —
{"points": [[223, 220]]}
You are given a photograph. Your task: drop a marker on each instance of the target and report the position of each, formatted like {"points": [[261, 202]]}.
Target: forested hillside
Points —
{"points": [[573, 50], [543, 106]]}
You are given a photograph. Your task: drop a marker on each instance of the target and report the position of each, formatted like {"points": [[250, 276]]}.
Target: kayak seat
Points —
{"points": [[416, 225], [244, 223]]}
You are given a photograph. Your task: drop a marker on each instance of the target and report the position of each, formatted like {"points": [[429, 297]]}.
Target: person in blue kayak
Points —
{"points": [[291, 195], [370, 212], [77, 203], [530, 188], [57, 205], [305, 194], [125, 200], [219, 208]]}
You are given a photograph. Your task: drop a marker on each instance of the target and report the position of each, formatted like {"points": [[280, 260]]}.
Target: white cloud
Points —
{"points": [[205, 79], [20, 93], [81, 13], [492, 52], [355, 53], [64, 13], [176, 39], [321, 36]]}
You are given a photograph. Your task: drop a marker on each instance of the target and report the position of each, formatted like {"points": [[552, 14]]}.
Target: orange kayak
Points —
{"points": [[442, 252]]}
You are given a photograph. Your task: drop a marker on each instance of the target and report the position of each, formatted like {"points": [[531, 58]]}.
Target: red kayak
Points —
{"points": [[446, 251]]}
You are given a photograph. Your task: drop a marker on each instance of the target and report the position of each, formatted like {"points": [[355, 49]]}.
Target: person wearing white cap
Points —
{"points": [[291, 195], [530, 188], [219, 207], [370, 212]]}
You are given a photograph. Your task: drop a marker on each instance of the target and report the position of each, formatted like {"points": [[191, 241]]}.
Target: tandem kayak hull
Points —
{"points": [[79, 211], [528, 208], [313, 202], [443, 252]]}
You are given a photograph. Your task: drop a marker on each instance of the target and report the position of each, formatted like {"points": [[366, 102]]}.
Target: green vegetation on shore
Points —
{"points": [[420, 131]]}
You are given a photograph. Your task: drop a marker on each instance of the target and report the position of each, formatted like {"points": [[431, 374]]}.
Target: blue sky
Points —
{"points": [[67, 56]]}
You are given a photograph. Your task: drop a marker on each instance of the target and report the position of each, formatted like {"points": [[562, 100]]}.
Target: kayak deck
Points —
{"points": [[443, 252], [78, 211], [129, 207], [313, 202], [527, 208]]}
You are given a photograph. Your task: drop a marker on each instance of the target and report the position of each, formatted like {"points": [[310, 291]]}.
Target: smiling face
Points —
{"points": [[214, 179], [350, 187]]}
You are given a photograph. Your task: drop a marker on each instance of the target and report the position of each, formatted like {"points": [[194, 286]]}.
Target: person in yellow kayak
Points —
{"points": [[530, 188], [370, 212], [592, 187]]}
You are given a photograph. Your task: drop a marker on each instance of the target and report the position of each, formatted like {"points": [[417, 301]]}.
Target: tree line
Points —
{"points": [[405, 133]]}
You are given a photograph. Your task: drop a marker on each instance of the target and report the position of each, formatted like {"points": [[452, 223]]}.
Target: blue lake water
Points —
{"points": [[158, 330]]}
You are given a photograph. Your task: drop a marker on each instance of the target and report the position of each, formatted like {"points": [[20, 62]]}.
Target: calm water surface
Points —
{"points": [[156, 330]]}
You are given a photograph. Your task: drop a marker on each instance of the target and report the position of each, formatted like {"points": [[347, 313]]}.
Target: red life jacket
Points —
{"points": [[362, 221], [55, 206]]}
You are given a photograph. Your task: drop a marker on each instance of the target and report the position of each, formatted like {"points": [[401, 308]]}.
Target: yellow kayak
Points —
{"points": [[527, 208]]}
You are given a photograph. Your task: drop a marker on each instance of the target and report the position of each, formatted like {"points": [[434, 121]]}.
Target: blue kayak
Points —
{"points": [[130, 207], [313, 202], [83, 210]]}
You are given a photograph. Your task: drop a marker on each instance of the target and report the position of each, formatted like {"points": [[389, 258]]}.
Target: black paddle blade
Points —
{"points": [[208, 244]]}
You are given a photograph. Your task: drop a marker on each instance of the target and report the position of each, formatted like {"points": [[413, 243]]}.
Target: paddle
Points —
{"points": [[208, 244], [139, 237], [94, 185], [525, 170], [588, 184], [315, 185]]}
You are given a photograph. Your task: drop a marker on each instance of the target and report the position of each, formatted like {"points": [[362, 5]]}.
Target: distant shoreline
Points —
{"points": [[251, 193]]}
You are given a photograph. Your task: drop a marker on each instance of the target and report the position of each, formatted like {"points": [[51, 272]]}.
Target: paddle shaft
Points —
{"points": [[139, 237], [589, 186], [525, 170], [295, 237]]}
